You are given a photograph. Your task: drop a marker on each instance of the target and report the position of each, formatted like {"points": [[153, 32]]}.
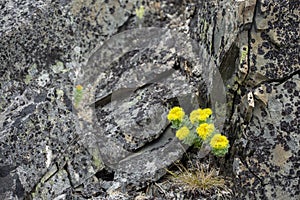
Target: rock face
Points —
{"points": [[48, 148], [42, 43], [260, 39], [271, 136], [117, 138]]}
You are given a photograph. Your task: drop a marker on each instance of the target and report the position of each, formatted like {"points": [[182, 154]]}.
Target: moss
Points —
{"points": [[59, 68], [27, 79], [97, 162], [59, 93]]}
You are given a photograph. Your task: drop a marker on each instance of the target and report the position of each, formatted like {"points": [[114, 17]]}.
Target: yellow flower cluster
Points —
{"points": [[198, 130], [182, 133], [200, 115], [219, 142], [176, 113], [205, 130]]}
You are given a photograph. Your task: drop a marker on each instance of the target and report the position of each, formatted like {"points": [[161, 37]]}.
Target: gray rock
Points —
{"points": [[255, 43], [272, 135], [271, 152], [133, 97], [50, 149], [43, 148], [42, 43]]}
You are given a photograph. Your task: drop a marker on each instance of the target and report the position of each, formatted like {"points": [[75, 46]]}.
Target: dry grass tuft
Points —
{"points": [[198, 178]]}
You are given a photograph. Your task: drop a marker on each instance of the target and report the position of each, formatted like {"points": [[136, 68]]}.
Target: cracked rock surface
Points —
{"points": [[261, 39], [118, 139], [270, 135], [43, 155]]}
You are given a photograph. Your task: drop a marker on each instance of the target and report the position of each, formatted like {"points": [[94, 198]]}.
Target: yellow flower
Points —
{"points": [[205, 130], [200, 115], [182, 133], [219, 142], [176, 113], [194, 116], [79, 87], [204, 114], [207, 112]]}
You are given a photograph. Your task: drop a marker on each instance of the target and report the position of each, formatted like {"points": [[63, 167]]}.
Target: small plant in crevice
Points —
{"points": [[198, 129], [139, 12], [78, 95]]}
